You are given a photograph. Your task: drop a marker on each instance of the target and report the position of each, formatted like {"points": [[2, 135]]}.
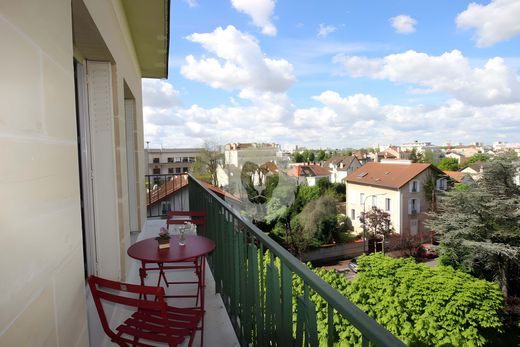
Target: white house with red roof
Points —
{"points": [[396, 187]]}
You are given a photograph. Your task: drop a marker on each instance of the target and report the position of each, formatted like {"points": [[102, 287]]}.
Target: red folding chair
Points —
{"points": [[152, 321]]}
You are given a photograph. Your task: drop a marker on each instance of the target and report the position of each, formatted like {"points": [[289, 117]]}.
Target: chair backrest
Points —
{"points": [[122, 293], [181, 217]]}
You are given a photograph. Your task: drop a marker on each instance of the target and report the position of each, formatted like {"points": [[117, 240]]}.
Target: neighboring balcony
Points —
{"points": [[250, 297]]}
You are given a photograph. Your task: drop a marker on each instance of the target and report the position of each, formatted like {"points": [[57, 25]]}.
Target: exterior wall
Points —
{"points": [[419, 218], [41, 252], [353, 202], [41, 257], [183, 158]]}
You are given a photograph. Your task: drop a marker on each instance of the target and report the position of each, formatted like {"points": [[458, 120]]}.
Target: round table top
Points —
{"points": [[148, 250]]}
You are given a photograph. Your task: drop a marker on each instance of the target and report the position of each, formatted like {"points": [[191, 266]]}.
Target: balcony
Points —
{"points": [[249, 292]]}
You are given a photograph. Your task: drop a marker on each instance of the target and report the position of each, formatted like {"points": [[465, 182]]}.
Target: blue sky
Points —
{"points": [[338, 73]]}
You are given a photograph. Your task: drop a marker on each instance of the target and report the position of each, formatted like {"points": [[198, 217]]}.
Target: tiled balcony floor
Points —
{"points": [[218, 330]]}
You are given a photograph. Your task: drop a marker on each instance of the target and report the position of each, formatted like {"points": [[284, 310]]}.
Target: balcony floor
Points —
{"points": [[218, 330]]}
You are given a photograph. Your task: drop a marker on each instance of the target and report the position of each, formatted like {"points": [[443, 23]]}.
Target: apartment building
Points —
{"points": [[396, 187], [171, 160]]}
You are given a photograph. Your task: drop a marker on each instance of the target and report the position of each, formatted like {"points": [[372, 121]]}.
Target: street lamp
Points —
{"points": [[364, 220]]}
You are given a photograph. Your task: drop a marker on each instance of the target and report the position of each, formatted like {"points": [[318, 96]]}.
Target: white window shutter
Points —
{"points": [[101, 115], [410, 186], [418, 186], [410, 206]]}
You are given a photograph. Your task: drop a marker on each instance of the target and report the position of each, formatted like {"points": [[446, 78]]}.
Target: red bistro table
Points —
{"points": [[196, 249]]}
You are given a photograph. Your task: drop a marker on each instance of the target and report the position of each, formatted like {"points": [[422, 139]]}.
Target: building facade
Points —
{"points": [[171, 160], [396, 187], [71, 147]]}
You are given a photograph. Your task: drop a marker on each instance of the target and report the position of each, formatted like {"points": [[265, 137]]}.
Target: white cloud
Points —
{"points": [[192, 3], [240, 63], [495, 22], [403, 24], [338, 121], [260, 12], [493, 83], [160, 94], [325, 30]]}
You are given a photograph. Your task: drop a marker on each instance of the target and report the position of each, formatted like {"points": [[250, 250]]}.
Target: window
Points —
{"points": [[352, 214], [388, 205], [177, 170], [156, 171], [170, 170], [374, 201], [184, 169], [361, 198], [414, 206], [156, 160], [177, 159], [170, 159], [184, 159], [414, 187]]}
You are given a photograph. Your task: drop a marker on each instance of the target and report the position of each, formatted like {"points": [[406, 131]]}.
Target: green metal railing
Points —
{"points": [[258, 293]]}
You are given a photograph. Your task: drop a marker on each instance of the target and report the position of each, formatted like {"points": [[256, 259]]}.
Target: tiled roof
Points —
{"points": [[387, 175], [346, 160], [308, 170], [457, 176]]}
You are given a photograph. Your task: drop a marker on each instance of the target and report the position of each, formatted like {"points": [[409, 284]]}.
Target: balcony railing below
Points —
{"points": [[257, 290]]}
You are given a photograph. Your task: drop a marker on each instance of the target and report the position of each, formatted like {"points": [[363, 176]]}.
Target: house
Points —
{"points": [[238, 154], [309, 174], [396, 187], [474, 170], [341, 166], [456, 155], [459, 177], [163, 161]]}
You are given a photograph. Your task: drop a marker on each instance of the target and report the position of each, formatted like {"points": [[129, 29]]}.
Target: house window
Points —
{"points": [[361, 198], [413, 206], [414, 188], [156, 171], [353, 214], [177, 159], [184, 169], [170, 159], [185, 159], [156, 160], [177, 170], [387, 204], [170, 170], [374, 201]]}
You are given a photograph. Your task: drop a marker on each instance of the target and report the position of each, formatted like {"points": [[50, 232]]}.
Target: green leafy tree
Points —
{"points": [[421, 305], [479, 157], [320, 156], [479, 229], [298, 157], [312, 157], [415, 157], [428, 156], [448, 164]]}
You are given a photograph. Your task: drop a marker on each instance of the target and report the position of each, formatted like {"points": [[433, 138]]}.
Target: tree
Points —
{"points": [[206, 164], [312, 157], [298, 157], [448, 164], [415, 157], [479, 157], [479, 229], [320, 156], [377, 224], [428, 156]]}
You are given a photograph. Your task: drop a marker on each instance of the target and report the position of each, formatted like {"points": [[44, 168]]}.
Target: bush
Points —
{"points": [[418, 304]]}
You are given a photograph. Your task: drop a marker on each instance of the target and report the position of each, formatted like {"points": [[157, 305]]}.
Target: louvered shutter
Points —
{"points": [[101, 115]]}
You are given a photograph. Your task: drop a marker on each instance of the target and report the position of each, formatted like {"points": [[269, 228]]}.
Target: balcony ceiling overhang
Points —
{"points": [[149, 23]]}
